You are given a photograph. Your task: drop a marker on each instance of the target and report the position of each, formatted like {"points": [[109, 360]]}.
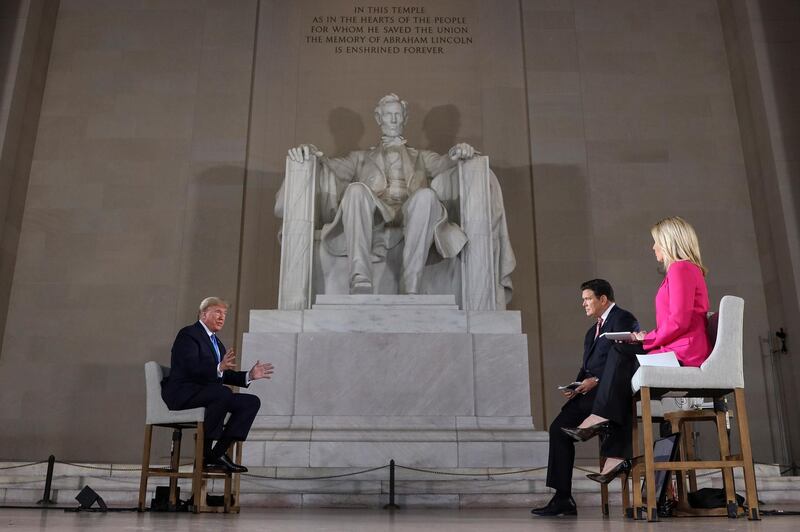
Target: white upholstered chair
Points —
{"points": [[159, 415], [721, 374]]}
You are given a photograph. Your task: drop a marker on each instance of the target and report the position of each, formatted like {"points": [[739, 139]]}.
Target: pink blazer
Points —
{"points": [[681, 306]]}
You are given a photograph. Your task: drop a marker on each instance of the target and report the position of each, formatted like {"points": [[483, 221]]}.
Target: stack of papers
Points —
{"points": [[666, 360]]}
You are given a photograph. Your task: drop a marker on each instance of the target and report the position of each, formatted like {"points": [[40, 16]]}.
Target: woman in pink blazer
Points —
{"points": [[681, 306]]}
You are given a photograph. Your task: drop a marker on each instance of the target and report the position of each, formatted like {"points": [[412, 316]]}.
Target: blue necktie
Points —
{"points": [[216, 347]]}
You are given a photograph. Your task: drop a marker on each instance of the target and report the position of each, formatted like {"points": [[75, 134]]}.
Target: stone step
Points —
{"points": [[394, 320], [378, 318], [419, 425], [372, 308], [66, 476], [444, 301]]}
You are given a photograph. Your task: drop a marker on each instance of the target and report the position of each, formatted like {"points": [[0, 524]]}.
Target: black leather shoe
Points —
{"points": [[623, 468], [214, 465], [579, 434], [557, 506], [226, 461]]}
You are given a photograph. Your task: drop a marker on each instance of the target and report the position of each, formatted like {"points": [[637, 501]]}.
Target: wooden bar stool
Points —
{"points": [[158, 415], [719, 375], [627, 484], [681, 421], [627, 511]]}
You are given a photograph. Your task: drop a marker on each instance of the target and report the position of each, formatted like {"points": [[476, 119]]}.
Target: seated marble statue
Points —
{"points": [[394, 185]]}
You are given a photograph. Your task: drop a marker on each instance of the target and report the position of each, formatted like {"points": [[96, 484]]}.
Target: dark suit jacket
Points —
{"points": [[595, 352], [194, 366]]}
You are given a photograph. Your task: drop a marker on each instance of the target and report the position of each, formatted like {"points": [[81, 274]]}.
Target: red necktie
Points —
{"points": [[597, 330]]}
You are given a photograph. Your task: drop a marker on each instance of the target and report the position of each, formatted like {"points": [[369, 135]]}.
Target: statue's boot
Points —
{"points": [[360, 285]]}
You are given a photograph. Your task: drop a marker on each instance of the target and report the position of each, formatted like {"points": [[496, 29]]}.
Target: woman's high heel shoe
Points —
{"points": [[583, 434], [623, 467]]}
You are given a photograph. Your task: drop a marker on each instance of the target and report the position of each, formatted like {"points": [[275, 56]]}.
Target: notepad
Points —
{"points": [[665, 360]]}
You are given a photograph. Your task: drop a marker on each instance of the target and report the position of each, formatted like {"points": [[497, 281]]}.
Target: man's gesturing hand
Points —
{"points": [[229, 360], [261, 371]]}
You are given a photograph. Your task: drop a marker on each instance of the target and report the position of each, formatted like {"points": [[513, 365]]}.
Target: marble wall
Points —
{"points": [[132, 215], [633, 119], [163, 131], [762, 38], [26, 30]]}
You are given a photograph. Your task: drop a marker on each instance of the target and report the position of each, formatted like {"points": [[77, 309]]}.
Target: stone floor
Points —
{"points": [[370, 520]]}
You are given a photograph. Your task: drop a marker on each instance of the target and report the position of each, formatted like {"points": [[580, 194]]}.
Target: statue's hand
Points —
{"points": [[304, 152], [462, 151]]}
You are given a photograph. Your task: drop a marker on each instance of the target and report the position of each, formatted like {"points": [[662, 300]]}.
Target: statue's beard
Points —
{"points": [[389, 131], [392, 140]]}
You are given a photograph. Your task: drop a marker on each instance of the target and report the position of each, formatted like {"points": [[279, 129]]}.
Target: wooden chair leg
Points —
{"points": [[203, 495], [237, 481], [197, 472], [227, 496], [747, 456], [148, 438], [688, 435], [626, 497], [174, 466], [676, 426], [603, 492], [649, 463], [637, 468], [727, 472]]}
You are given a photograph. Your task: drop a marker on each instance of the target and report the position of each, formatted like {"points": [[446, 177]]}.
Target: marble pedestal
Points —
{"points": [[361, 380]]}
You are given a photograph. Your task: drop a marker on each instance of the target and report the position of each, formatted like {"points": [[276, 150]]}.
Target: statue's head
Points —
{"points": [[391, 114]]}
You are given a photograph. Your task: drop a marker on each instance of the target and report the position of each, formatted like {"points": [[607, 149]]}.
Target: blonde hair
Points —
{"points": [[678, 241], [211, 302]]}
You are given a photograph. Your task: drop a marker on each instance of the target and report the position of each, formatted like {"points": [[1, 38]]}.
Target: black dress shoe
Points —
{"points": [[226, 461], [623, 468], [557, 506], [223, 464], [583, 434], [214, 465]]}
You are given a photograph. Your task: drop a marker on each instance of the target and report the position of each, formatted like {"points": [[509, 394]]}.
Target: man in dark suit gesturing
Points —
{"points": [[201, 367], [598, 302]]}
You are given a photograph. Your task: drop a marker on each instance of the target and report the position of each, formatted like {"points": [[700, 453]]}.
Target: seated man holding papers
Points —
{"points": [[598, 303]]}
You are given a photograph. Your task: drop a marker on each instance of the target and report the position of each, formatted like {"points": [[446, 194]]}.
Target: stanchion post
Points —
{"points": [[48, 481], [391, 505]]}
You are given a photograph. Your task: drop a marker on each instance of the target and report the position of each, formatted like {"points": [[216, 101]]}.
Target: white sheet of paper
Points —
{"points": [[666, 360]]}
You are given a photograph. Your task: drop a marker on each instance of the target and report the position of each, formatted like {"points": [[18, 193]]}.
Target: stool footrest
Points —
{"points": [[168, 473]]}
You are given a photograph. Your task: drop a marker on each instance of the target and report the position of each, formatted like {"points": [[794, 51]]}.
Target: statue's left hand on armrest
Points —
{"points": [[462, 151], [304, 152]]}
